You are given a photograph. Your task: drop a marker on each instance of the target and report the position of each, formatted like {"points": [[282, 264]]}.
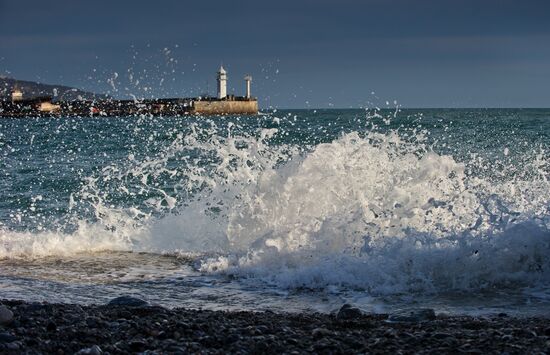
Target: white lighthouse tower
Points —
{"points": [[222, 83], [248, 79]]}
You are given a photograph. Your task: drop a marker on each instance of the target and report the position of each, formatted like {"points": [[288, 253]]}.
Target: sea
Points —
{"points": [[287, 211]]}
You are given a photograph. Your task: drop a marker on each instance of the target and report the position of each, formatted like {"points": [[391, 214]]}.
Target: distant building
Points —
{"points": [[48, 107], [222, 83], [16, 95], [41, 103]]}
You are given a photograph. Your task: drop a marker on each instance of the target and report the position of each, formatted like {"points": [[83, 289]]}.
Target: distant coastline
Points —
{"points": [[30, 99], [35, 89]]}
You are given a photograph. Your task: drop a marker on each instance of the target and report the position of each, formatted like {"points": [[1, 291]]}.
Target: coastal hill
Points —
{"points": [[32, 89]]}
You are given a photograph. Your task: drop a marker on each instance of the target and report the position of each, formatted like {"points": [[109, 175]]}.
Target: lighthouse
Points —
{"points": [[248, 79], [222, 83]]}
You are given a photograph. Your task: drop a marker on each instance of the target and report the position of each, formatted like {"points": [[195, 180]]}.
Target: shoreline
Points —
{"points": [[129, 325]]}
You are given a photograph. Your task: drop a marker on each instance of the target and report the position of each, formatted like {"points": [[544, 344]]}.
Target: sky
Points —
{"points": [[300, 53]]}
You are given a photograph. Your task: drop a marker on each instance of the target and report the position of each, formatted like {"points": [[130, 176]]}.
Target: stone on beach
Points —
{"points": [[128, 301], [6, 315], [320, 332], [93, 350], [412, 316], [347, 311], [7, 338]]}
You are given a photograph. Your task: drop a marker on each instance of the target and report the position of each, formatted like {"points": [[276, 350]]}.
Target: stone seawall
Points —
{"points": [[225, 107]]}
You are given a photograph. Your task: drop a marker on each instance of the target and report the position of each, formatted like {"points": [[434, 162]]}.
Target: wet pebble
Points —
{"points": [[137, 345], [51, 326], [320, 332], [6, 315], [92, 322], [93, 350], [14, 345], [7, 338], [412, 316], [128, 301], [347, 312], [441, 335]]}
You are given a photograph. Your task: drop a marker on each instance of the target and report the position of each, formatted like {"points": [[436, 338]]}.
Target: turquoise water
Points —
{"points": [[289, 210]]}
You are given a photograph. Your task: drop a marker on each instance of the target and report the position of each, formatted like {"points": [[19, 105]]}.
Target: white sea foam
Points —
{"points": [[374, 213], [371, 211], [87, 238]]}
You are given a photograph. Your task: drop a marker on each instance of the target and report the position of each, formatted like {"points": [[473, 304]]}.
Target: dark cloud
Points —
{"points": [[301, 52]]}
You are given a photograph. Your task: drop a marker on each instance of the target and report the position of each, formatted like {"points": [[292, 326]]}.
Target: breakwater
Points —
{"points": [[44, 106]]}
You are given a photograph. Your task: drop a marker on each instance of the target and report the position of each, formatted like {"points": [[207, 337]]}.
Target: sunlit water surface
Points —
{"points": [[298, 210]]}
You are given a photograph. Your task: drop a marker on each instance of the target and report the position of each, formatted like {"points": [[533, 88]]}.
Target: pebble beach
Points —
{"points": [[128, 325]]}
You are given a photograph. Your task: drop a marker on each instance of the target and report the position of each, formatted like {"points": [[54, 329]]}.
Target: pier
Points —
{"points": [[44, 106]]}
